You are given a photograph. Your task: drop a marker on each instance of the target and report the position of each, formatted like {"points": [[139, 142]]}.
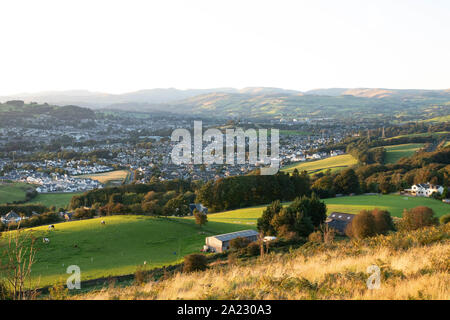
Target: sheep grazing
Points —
{"points": [[45, 240], [51, 227], [103, 222]]}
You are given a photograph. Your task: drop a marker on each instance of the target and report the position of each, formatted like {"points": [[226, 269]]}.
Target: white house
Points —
{"points": [[10, 217], [425, 189]]}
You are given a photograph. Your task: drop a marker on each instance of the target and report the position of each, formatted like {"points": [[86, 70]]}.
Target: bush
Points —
{"points": [[417, 218], [316, 237], [140, 275], [253, 249], [383, 221], [369, 223], [445, 219], [363, 225], [239, 243], [195, 262], [82, 213]]}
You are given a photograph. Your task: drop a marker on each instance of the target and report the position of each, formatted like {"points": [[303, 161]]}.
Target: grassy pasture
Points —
{"points": [[334, 163], [293, 133], [125, 242], [396, 152], [119, 246], [424, 134], [13, 191], [59, 200], [354, 204], [393, 203], [439, 119]]}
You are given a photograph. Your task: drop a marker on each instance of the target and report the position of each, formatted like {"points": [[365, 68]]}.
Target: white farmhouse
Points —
{"points": [[425, 189]]}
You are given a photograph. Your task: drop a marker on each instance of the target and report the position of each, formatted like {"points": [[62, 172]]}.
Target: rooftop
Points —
{"points": [[237, 234]]}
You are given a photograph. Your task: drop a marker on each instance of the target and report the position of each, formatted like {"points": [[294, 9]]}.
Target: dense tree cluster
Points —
{"points": [[300, 218], [34, 221], [22, 209], [156, 198], [433, 167], [242, 191]]}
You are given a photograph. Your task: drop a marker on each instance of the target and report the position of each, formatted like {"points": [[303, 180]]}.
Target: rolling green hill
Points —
{"points": [[125, 242], [14, 191], [396, 152], [119, 246], [59, 200], [334, 163], [351, 204]]}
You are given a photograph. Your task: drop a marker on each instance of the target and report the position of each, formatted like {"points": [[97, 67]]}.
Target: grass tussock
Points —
{"points": [[413, 265]]}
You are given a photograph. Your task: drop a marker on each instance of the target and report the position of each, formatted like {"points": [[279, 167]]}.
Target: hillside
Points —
{"points": [[17, 110], [350, 204], [333, 163], [316, 271], [15, 191], [119, 246]]}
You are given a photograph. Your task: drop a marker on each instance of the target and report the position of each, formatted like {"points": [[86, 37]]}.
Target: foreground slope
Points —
{"points": [[412, 265], [118, 246]]}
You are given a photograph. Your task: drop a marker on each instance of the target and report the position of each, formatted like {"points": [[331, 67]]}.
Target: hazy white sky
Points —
{"points": [[119, 46]]}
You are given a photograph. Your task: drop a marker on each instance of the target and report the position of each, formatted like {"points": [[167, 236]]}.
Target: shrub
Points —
{"points": [[82, 213], [239, 243], [417, 218], [383, 221], [369, 223], [195, 262], [328, 233], [140, 275], [363, 225], [288, 235], [200, 218], [445, 219], [253, 249], [316, 237]]}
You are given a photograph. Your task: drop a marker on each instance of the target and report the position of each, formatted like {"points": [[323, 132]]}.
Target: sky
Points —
{"points": [[122, 46]]}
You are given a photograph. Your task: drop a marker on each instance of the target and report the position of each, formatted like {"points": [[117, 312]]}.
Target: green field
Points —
{"points": [[424, 134], [392, 203], [396, 152], [14, 191], [334, 163], [125, 242], [354, 204], [59, 200], [119, 246], [293, 133], [439, 119]]}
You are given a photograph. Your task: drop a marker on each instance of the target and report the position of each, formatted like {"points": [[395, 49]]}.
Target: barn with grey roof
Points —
{"points": [[221, 242]]}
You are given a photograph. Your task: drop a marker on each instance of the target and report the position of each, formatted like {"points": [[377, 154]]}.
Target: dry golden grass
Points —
{"points": [[105, 177], [336, 271]]}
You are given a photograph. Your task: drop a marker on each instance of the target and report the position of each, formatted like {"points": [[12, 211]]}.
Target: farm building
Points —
{"points": [[221, 242], [11, 217], [339, 221], [199, 207]]}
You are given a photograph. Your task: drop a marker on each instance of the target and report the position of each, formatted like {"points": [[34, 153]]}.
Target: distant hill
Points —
{"points": [[17, 110], [263, 102], [380, 92]]}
